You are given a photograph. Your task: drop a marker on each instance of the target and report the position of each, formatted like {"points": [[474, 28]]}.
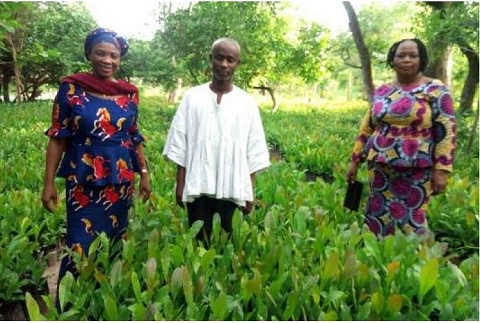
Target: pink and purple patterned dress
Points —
{"points": [[407, 133]]}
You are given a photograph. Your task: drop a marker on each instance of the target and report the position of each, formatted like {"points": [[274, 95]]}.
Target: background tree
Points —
{"points": [[13, 17], [449, 24], [439, 47], [365, 63], [380, 26], [188, 33], [47, 43], [309, 57]]}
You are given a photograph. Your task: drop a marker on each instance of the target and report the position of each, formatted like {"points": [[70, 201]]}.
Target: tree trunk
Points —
{"points": [[5, 87], [470, 85], [437, 68], [17, 70], [473, 132], [439, 49], [362, 49]]}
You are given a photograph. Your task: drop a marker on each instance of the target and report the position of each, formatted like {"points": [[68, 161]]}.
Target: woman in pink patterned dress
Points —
{"points": [[408, 140]]}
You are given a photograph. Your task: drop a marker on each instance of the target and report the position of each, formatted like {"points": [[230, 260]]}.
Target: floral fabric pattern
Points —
{"points": [[407, 133], [398, 199], [409, 127]]}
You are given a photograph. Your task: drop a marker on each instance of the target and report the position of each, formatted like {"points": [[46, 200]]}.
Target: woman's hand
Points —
{"points": [[49, 197], [352, 172], [144, 189], [439, 181]]}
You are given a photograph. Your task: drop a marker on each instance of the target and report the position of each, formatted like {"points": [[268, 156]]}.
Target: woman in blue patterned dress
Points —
{"points": [[408, 139], [94, 128]]}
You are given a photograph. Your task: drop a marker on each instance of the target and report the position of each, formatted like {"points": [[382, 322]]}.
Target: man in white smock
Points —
{"points": [[218, 143]]}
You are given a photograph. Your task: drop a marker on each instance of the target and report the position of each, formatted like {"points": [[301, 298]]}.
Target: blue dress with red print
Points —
{"points": [[99, 163]]}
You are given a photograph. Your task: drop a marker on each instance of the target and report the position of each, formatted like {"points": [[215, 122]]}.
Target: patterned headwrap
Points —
{"points": [[105, 35]]}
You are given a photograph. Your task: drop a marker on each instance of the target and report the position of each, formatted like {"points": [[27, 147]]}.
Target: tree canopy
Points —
{"points": [[42, 41]]}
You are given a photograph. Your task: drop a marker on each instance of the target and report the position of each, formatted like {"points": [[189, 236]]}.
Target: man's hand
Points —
{"points": [[181, 172], [247, 208], [178, 197]]}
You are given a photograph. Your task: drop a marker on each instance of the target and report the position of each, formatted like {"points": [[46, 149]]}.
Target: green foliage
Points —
{"points": [[47, 37], [9, 12], [299, 256], [310, 56], [50, 54], [27, 233], [381, 25], [188, 34], [455, 22]]}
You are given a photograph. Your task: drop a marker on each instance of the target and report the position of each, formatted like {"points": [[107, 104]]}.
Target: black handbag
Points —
{"points": [[353, 195]]}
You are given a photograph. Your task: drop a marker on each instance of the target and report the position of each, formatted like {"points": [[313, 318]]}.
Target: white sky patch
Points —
{"points": [[138, 19]]}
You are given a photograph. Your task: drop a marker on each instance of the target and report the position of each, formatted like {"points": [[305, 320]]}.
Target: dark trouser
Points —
{"points": [[203, 208]]}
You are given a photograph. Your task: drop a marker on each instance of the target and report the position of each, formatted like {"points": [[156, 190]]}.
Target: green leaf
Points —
{"points": [[116, 273], [207, 259], [371, 247], [269, 222], [176, 281], [428, 276], [457, 273], [331, 266], [300, 219], [219, 307], [378, 302], [151, 270], [136, 287], [111, 308], [292, 301], [153, 244], [350, 267], [364, 312], [33, 308], [24, 225], [65, 288], [138, 312], [395, 303], [251, 286], [331, 316], [165, 261], [187, 286]]}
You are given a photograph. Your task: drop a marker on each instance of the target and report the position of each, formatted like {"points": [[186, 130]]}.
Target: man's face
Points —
{"points": [[225, 59]]}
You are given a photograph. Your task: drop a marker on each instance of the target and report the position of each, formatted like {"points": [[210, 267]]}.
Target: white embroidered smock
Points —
{"points": [[219, 145]]}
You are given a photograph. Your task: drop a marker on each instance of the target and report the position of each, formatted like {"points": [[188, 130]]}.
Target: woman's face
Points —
{"points": [[406, 61], [105, 60]]}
